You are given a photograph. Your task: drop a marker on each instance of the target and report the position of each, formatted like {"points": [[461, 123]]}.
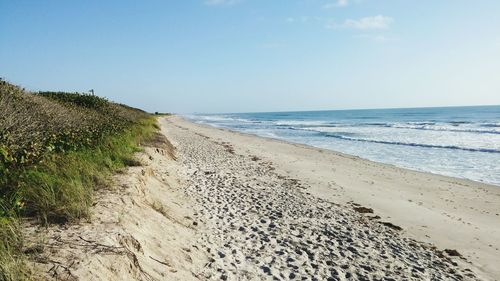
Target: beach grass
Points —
{"points": [[56, 149]]}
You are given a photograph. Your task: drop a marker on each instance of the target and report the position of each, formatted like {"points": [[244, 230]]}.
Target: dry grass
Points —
{"points": [[158, 206]]}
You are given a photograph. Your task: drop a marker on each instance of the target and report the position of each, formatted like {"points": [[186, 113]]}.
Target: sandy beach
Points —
{"points": [[231, 206], [447, 212]]}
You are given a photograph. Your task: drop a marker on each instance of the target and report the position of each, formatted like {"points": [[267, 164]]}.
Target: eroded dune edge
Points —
{"points": [[210, 208]]}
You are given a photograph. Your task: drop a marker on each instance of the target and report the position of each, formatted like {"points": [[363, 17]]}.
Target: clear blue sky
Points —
{"points": [[257, 55]]}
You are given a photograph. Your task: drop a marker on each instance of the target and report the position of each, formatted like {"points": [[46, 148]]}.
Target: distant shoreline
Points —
{"points": [[457, 142], [341, 153]]}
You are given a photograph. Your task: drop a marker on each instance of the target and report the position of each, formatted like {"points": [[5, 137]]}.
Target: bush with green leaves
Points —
{"points": [[56, 148]]}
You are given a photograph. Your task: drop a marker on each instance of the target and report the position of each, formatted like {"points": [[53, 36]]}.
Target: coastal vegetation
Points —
{"points": [[56, 149]]}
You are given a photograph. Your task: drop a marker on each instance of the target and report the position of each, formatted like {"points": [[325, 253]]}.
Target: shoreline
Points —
{"points": [[427, 206], [423, 140], [347, 155]]}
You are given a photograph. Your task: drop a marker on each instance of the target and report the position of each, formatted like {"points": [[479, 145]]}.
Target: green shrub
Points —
{"points": [[55, 150], [81, 100]]}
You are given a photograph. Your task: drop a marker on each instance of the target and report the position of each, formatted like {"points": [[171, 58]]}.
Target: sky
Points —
{"points": [[212, 56]]}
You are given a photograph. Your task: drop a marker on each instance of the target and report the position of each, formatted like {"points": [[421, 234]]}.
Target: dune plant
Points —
{"points": [[56, 148]]}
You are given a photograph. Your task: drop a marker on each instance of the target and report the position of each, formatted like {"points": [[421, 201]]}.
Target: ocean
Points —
{"points": [[462, 142]]}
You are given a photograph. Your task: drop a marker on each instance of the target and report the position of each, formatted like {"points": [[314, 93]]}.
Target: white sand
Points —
{"points": [[141, 229], [240, 207]]}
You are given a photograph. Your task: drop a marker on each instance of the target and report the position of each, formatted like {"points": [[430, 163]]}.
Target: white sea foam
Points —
{"points": [[429, 140]]}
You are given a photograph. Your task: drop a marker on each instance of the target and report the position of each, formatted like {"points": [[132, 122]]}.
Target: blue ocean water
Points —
{"points": [[461, 142]]}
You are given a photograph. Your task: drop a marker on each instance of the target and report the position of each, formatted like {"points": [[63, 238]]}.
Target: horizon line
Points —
{"points": [[345, 109]]}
